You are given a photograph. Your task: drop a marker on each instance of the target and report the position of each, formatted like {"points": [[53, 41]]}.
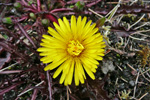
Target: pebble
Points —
{"points": [[131, 83]]}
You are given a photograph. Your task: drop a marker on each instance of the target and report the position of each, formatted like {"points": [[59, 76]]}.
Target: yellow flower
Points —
{"points": [[74, 48]]}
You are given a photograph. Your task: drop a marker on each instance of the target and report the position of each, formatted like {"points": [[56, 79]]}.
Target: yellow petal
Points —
{"points": [[55, 34], [101, 54], [87, 29], [54, 45], [90, 40], [80, 71], [89, 33], [86, 62], [99, 58], [76, 77], [43, 54], [51, 40], [43, 49], [63, 26], [70, 74], [66, 67], [61, 29], [89, 72], [63, 76], [79, 23], [55, 64], [45, 41], [87, 26], [58, 71], [92, 60], [94, 57], [93, 70], [66, 81], [67, 23], [80, 68], [95, 30], [47, 37], [49, 58], [83, 22], [46, 60], [94, 66], [73, 25]]}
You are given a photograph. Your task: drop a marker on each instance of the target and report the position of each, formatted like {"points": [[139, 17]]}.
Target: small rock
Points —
{"points": [[107, 66], [121, 86], [131, 83]]}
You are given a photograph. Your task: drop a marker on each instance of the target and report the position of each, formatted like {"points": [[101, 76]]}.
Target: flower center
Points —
{"points": [[74, 48]]}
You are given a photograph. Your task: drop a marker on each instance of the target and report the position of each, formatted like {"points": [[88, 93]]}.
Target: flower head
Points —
{"points": [[73, 49]]}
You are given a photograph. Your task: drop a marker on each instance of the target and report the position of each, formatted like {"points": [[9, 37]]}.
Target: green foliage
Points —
{"points": [[45, 22], [30, 2], [32, 15], [80, 5], [5, 36], [100, 22], [17, 5], [71, 6], [7, 20]]}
